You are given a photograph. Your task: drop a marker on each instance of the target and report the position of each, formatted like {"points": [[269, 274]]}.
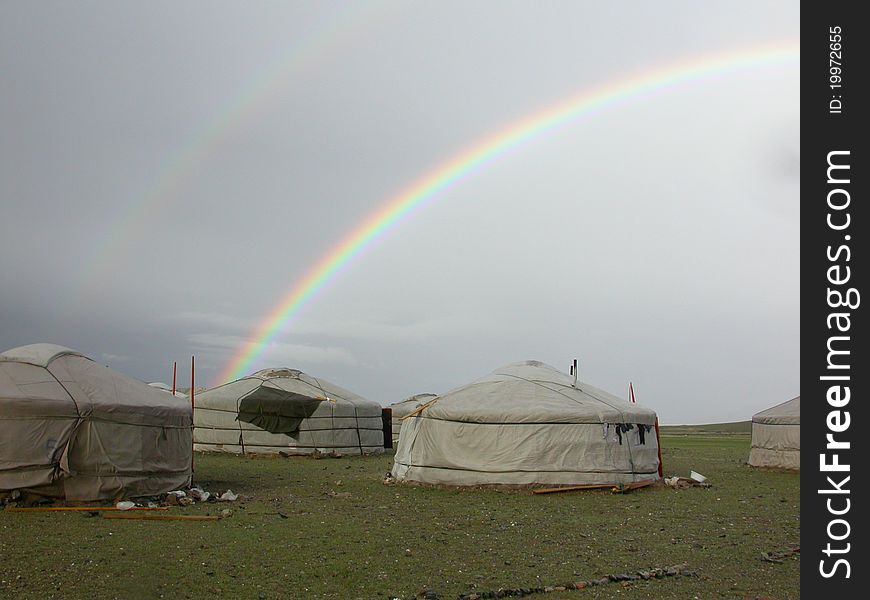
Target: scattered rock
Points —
{"points": [[778, 556], [624, 579]]}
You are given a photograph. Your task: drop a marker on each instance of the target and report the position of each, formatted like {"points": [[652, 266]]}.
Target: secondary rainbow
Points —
{"points": [[332, 30], [602, 97]]}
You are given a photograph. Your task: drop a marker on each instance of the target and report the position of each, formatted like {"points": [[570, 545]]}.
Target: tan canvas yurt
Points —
{"points": [[288, 411], [525, 424], [75, 429], [405, 407], [776, 436]]}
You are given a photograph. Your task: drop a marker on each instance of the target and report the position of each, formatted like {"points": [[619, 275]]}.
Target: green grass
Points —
{"points": [[379, 541]]}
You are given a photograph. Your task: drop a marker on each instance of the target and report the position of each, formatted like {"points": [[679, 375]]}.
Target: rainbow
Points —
{"points": [[475, 157]]}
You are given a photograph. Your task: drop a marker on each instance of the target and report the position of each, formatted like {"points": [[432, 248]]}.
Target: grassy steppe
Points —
{"points": [[329, 528]]}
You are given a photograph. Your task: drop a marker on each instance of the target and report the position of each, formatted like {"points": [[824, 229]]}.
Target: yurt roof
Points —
{"points": [[292, 381], [72, 376], [787, 413], [40, 355], [408, 405], [165, 387], [534, 392], [415, 399]]}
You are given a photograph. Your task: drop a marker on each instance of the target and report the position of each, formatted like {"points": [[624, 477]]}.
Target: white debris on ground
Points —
{"points": [[228, 496], [695, 480], [193, 495], [199, 495], [196, 494]]}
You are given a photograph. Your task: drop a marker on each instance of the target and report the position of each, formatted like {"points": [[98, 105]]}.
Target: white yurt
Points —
{"points": [[287, 411], [776, 436], [405, 407], [528, 424], [75, 429]]}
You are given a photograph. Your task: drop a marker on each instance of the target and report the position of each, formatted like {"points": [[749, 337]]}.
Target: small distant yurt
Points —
{"points": [[405, 407], [287, 411], [164, 387], [527, 424], [74, 429], [776, 436]]}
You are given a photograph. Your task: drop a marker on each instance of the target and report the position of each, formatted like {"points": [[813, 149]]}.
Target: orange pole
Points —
{"points": [[81, 508], [192, 406], [659, 444]]}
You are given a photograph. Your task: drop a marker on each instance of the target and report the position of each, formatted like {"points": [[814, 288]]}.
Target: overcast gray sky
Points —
{"points": [[169, 170]]}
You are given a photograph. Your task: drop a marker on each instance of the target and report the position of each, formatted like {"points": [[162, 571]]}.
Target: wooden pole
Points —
{"points": [[614, 487], [627, 487], [81, 508], [419, 409], [192, 408], [571, 488]]}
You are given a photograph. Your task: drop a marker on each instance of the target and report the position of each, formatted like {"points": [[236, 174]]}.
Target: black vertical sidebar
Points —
{"points": [[835, 224]]}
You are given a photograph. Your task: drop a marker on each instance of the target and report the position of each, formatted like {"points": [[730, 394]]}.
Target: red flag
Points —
{"points": [[631, 393]]}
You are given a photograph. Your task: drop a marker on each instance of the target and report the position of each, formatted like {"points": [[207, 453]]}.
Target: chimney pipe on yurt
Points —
{"points": [[574, 372], [174, 372]]}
